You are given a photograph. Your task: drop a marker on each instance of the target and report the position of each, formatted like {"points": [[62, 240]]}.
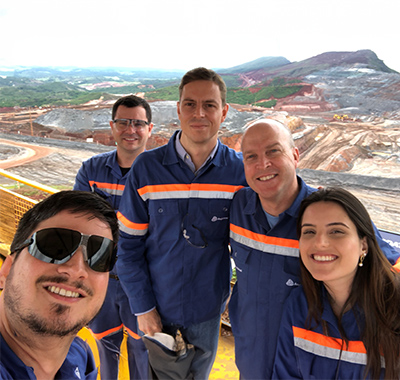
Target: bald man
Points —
{"points": [[264, 243]]}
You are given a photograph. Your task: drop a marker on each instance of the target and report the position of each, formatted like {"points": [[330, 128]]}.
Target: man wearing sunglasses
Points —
{"points": [[54, 282], [174, 260], [106, 174]]}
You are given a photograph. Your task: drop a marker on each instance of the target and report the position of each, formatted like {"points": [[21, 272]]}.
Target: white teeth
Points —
{"points": [[324, 258], [63, 292], [266, 178]]}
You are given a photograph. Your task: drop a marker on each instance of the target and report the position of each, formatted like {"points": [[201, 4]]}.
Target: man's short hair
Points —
{"points": [[132, 101], [76, 202], [201, 73]]}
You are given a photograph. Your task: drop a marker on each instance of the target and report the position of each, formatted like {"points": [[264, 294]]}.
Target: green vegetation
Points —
{"points": [[269, 104], [46, 93], [256, 95], [231, 80], [278, 88], [23, 91], [166, 93]]}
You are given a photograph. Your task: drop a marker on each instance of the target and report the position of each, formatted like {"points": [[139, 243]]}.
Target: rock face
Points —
{"points": [[76, 121], [360, 91]]}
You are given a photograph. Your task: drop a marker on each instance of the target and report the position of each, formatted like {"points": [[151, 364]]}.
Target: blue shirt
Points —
{"points": [[79, 363], [310, 354]]}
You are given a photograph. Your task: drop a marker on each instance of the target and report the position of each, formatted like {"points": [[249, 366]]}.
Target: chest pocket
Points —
{"points": [[165, 218], [218, 218], [106, 196]]}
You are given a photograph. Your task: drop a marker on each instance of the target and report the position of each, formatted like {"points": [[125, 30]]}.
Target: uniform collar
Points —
{"points": [[172, 156], [254, 203]]}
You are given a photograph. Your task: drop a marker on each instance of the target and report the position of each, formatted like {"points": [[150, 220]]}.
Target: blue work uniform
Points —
{"points": [[173, 251], [310, 354], [101, 174], [267, 269], [79, 363]]}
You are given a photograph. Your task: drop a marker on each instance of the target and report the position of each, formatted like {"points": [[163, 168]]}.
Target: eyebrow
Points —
{"points": [[203, 101], [267, 147], [328, 225]]}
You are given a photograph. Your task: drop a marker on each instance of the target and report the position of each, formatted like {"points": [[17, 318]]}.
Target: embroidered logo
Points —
{"points": [[77, 373], [215, 218], [290, 282]]}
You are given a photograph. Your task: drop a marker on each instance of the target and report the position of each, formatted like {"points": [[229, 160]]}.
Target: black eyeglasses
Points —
{"points": [[58, 245], [123, 124], [193, 240]]}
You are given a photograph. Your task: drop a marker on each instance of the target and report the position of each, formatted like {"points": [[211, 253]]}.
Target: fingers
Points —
{"points": [[150, 323]]}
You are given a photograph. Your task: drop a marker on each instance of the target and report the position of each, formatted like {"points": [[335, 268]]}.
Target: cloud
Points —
{"points": [[185, 34]]}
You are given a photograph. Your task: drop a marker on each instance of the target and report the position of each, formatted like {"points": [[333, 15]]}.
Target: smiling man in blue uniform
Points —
{"points": [[173, 260], [265, 245], [54, 282], [106, 174]]}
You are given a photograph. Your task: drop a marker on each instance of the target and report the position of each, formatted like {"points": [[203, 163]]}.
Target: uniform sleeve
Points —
{"points": [[82, 179], [285, 364], [132, 267], [390, 252]]}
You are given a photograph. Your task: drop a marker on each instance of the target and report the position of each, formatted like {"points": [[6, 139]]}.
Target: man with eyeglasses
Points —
{"points": [[173, 259], [106, 174], [54, 282]]}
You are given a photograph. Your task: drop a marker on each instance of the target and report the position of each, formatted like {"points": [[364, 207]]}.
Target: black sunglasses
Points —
{"points": [[58, 245]]}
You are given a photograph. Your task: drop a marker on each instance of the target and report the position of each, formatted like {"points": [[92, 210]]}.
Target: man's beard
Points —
{"points": [[59, 325]]}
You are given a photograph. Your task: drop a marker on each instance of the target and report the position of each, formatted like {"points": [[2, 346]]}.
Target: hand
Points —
{"points": [[150, 322]]}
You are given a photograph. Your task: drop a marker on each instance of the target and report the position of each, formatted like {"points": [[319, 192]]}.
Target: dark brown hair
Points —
{"points": [[375, 289], [76, 202], [201, 73], [132, 101]]}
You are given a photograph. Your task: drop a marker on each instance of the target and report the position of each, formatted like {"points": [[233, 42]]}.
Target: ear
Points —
{"points": [[364, 245], [296, 156], [150, 128], [5, 270], [178, 110], [225, 110]]}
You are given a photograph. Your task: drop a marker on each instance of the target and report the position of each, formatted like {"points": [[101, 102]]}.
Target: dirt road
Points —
{"points": [[21, 154]]}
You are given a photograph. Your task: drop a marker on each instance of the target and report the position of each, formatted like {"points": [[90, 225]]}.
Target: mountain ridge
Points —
{"points": [[275, 65]]}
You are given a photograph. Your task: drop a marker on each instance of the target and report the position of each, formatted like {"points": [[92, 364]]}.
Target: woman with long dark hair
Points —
{"points": [[344, 321]]}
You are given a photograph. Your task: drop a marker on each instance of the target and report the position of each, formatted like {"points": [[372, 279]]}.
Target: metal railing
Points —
{"points": [[13, 206]]}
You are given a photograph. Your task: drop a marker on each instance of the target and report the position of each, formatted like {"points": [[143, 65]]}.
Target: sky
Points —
{"points": [[183, 34]]}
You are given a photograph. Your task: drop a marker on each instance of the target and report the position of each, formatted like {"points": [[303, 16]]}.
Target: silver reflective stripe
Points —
{"points": [[203, 194], [107, 190], [331, 353], [131, 231], [263, 247]]}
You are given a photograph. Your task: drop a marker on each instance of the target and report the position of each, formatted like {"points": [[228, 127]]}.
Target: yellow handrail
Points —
{"points": [[28, 182]]}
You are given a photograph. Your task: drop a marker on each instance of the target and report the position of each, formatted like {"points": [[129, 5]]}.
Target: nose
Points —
{"points": [[131, 128], [75, 267], [199, 111], [321, 240], [264, 162]]}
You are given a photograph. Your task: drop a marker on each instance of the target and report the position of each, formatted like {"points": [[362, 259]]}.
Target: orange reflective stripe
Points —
{"points": [[161, 188], [105, 333], [105, 185], [132, 334], [271, 240], [131, 225], [396, 266], [188, 187], [215, 187], [326, 341]]}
